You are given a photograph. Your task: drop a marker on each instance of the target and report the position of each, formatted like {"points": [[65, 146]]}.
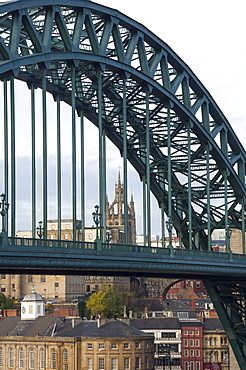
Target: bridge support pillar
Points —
{"points": [[228, 298]]}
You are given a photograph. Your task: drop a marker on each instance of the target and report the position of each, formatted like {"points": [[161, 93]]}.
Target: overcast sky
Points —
{"points": [[209, 36]]}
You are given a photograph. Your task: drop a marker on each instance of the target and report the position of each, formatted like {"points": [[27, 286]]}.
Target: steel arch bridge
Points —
{"points": [[146, 100]]}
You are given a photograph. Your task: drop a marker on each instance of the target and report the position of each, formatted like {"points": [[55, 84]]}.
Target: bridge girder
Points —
{"points": [[149, 103]]}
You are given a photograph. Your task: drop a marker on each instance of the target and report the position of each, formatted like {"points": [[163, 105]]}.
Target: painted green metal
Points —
{"points": [[189, 184], [74, 188], [33, 156], [13, 157], [125, 175], [6, 140], [209, 244], [102, 63], [45, 159], [228, 298], [147, 134], [59, 178], [82, 175]]}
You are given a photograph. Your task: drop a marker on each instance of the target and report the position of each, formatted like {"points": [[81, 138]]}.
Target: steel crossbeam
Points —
{"points": [[130, 84]]}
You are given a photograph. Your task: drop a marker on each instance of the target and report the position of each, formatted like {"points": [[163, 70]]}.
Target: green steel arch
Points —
{"points": [[148, 102], [143, 96]]}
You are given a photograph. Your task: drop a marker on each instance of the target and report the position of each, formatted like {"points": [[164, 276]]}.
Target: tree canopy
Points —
{"points": [[5, 303], [107, 302]]}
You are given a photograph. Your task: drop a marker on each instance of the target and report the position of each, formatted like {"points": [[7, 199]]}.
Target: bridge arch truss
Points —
{"points": [[142, 96]]}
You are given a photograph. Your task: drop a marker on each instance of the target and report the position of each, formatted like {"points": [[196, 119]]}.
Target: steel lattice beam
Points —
{"points": [[129, 83]]}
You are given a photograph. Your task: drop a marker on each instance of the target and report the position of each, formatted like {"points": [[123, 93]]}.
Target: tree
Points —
{"points": [[107, 302], [5, 303]]}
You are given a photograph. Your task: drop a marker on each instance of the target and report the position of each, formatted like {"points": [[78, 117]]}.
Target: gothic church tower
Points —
{"points": [[115, 216]]}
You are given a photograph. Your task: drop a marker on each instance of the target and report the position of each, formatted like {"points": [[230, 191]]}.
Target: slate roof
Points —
{"points": [[114, 329], [190, 324], [82, 329], [156, 323], [212, 324], [149, 303], [179, 306], [42, 326]]}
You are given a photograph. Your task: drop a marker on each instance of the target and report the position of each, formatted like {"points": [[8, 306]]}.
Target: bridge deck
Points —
{"points": [[68, 257]]}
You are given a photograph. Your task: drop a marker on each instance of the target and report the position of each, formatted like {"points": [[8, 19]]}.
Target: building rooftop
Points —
{"points": [[156, 323]]}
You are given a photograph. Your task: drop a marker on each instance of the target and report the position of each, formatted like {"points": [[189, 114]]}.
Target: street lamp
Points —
{"points": [[40, 229], [97, 219], [169, 225], [228, 237], [108, 235], [4, 209]]}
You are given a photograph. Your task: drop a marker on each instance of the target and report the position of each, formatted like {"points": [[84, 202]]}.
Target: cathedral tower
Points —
{"points": [[115, 216]]}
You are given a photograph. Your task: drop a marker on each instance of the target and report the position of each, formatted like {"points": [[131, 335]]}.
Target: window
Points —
{"points": [[186, 353], [101, 363], [30, 279], [89, 363], [1, 356], [191, 342], [65, 359], [89, 345], [197, 332], [192, 353], [3, 288], [41, 359], [186, 332], [113, 345], [197, 353], [114, 363], [198, 284], [126, 363], [168, 335], [3, 276], [192, 365], [53, 359], [31, 358], [56, 287], [43, 278], [137, 345], [30, 310], [137, 363], [21, 358], [191, 332], [186, 342], [198, 366], [186, 365], [197, 342], [146, 362], [100, 345], [10, 357], [126, 345]]}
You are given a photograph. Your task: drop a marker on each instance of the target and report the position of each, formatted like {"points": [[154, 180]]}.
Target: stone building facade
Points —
{"points": [[36, 342]]}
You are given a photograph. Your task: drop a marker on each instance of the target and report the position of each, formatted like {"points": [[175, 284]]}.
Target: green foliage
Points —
{"points": [[108, 302], [5, 303], [83, 311]]}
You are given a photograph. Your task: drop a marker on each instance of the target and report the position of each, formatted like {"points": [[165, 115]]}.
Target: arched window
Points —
{"points": [[41, 359], [1, 356], [31, 358], [53, 359], [65, 359], [10, 357], [21, 358]]}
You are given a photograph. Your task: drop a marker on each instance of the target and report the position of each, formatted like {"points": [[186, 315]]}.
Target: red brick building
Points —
{"points": [[192, 345]]}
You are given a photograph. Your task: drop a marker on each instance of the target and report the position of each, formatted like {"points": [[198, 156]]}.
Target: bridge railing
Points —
{"points": [[122, 248]]}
